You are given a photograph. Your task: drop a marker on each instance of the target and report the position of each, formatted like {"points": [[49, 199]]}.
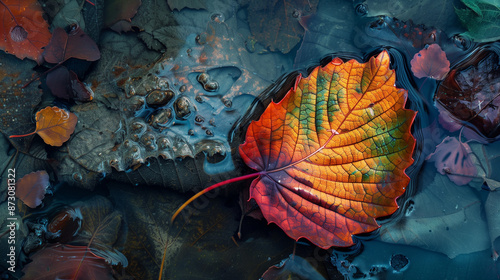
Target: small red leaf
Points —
{"points": [[76, 44], [430, 62], [452, 158], [32, 187]]}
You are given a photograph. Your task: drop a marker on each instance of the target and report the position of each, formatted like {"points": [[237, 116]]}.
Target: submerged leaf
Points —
{"points": [[452, 158], [471, 93], [430, 62], [443, 218], [331, 155], [23, 30], [275, 24], [32, 187]]}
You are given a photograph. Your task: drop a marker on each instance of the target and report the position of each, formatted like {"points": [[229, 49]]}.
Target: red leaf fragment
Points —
{"points": [[76, 44], [430, 62], [64, 83], [32, 187], [66, 262], [23, 31], [452, 158]]}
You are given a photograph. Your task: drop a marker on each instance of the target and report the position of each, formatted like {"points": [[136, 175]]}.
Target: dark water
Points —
{"points": [[120, 208]]}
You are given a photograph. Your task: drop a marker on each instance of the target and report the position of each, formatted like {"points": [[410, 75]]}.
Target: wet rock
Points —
{"points": [[182, 107], [160, 118], [159, 97]]}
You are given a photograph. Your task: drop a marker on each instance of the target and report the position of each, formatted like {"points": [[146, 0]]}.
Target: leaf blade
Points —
{"points": [[32, 187], [318, 162], [23, 29], [55, 125]]}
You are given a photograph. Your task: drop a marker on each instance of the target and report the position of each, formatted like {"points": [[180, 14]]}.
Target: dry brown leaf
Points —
{"points": [[54, 125]]}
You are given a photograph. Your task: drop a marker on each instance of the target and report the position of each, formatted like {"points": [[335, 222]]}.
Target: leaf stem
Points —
{"points": [[163, 260], [22, 135], [204, 191]]}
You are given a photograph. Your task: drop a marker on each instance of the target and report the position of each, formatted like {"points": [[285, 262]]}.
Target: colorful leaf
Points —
{"points": [[331, 154], [54, 125], [452, 158], [23, 29], [66, 262], [76, 44], [430, 62], [32, 187]]}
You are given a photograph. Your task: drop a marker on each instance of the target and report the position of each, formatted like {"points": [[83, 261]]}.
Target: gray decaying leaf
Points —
{"points": [[276, 24], [101, 226], [444, 218], [175, 109]]}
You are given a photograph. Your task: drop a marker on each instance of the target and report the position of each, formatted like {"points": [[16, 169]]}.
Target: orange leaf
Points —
{"points": [[23, 30], [331, 155], [31, 188], [54, 125]]}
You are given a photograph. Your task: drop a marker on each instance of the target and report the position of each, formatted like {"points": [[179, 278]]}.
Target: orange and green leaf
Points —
{"points": [[23, 30], [54, 125], [331, 155]]}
